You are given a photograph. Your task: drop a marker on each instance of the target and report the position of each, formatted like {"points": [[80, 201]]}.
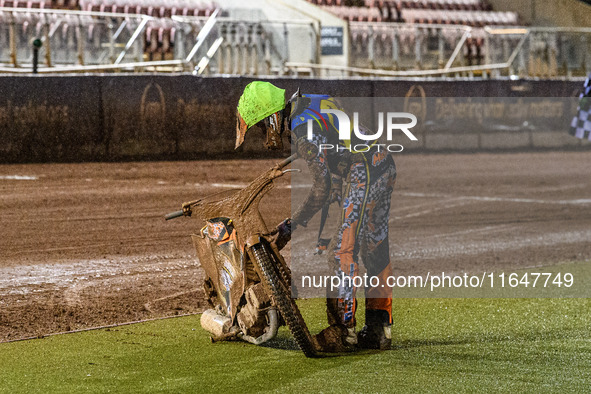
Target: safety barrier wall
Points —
{"points": [[130, 117]]}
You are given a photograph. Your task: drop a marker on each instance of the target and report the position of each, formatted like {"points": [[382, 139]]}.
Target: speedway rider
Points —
{"points": [[365, 208]]}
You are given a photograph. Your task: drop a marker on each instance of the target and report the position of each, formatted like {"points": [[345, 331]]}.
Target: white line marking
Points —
{"points": [[240, 186], [581, 201], [229, 185], [451, 246], [423, 205], [18, 177], [486, 229], [428, 211]]}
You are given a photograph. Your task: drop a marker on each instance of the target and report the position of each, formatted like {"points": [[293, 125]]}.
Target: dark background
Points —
{"points": [[129, 117]]}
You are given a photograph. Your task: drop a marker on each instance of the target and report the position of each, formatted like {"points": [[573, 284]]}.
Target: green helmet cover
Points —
{"points": [[259, 100]]}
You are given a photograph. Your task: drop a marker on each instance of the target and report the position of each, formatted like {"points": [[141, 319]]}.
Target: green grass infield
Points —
{"points": [[450, 345]]}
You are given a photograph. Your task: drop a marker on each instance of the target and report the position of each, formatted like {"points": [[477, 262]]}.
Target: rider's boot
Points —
{"points": [[336, 338], [377, 333]]}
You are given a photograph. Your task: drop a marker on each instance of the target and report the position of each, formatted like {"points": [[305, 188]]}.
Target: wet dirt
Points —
{"points": [[84, 245]]}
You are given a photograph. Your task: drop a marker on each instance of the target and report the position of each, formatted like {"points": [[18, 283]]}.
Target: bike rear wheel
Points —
{"points": [[287, 305]]}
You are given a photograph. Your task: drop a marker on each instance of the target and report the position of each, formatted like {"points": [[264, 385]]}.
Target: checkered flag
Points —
{"points": [[580, 126]]}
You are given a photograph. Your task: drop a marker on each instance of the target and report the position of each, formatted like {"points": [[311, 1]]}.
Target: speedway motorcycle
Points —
{"points": [[247, 281]]}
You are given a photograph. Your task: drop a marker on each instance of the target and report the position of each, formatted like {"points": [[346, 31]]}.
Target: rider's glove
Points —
{"points": [[187, 209], [336, 189], [321, 245], [283, 235]]}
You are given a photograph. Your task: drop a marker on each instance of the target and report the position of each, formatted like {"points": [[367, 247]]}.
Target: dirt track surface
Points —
{"points": [[84, 245]]}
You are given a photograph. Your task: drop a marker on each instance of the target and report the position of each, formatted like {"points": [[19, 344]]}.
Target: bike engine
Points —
{"points": [[252, 318]]}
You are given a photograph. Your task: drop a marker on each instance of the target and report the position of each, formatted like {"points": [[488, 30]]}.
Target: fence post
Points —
{"points": [[285, 48], [371, 48], [487, 49], [110, 27], [254, 49], [586, 62], [12, 39], [522, 66], [418, 44], [395, 50], [235, 47], [316, 30], [267, 48], [46, 38], [313, 44], [223, 51], [80, 38], [440, 47], [244, 44]]}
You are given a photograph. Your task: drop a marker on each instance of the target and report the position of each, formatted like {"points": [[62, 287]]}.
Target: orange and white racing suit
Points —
{"points": [[363, 227]]}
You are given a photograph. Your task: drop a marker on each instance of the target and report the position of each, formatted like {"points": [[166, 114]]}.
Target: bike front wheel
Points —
{"points": [[287, 305]]}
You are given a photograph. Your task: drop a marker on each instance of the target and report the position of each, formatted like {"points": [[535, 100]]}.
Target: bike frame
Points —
{"points": [[242, 207]]}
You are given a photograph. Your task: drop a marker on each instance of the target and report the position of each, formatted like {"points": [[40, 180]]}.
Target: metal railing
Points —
{"points": [[83, 41], [258, 48], [71, 37], [504, 51], [540, 51], [402, 46]]}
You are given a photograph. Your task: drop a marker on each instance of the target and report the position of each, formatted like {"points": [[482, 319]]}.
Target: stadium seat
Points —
{"points": [[158, 8], [475, 13], [159, 37], [65, 4], [37, 4], [155, 8], [86, 5], [106, 5]]}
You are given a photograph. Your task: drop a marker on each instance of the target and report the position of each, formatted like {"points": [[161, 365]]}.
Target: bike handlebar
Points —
{"points": [[174, 215], [280, 165], [287, 161]]}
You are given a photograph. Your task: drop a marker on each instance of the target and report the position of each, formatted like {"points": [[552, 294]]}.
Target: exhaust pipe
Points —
{"points": [[271, 332], [220, 327], [217, 325]]}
